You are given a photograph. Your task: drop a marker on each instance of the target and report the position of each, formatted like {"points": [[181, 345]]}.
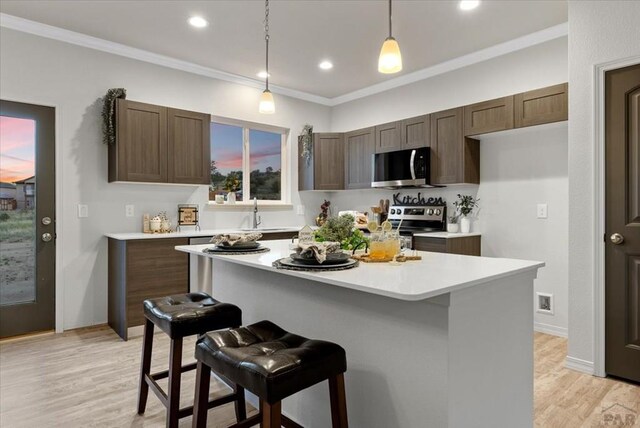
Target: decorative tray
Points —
{"points": [[366, 259]]}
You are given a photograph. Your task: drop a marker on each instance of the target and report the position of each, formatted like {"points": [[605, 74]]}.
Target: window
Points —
{"points": [[247, 159]]}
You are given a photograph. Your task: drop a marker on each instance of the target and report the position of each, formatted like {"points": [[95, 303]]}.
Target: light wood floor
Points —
{"points": [[88, 378]]}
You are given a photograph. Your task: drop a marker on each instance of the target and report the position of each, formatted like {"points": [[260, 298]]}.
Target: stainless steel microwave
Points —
{"points": [[402, 168]]}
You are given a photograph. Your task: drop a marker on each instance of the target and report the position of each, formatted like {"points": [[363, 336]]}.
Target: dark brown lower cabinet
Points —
{"points": [[141, 269], [467, 245]]}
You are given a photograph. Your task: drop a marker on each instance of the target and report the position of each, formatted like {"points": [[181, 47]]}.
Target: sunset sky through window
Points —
{"points": [[17, 148], [226, 148]]}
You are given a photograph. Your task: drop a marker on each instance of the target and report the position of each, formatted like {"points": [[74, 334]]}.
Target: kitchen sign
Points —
{"points": [[305, 236], [418, 200]]}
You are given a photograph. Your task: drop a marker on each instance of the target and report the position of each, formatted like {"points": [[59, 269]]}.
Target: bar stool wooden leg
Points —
{"points": [[338, 402], [271, 415], [145, 366], [241, 408], [201, 399], [175, 371]]}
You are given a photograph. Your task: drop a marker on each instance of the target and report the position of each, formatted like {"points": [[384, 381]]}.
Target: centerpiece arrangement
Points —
{"points": [[341, 230]]}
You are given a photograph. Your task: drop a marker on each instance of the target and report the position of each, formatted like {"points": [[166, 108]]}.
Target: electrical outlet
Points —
{"points": [[83, 211], [300, 209], [542, 211], [544, 303], [129, 210]]}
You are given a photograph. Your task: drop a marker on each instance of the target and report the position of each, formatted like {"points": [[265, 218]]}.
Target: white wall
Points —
{"points": [[73, 79], [518, 170], [599, 32]]}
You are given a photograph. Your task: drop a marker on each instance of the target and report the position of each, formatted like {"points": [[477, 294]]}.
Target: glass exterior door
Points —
{"points": [[27, 218]]}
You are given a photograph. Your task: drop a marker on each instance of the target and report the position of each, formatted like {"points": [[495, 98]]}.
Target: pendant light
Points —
{"points": [[390, 60], [267, 105]]}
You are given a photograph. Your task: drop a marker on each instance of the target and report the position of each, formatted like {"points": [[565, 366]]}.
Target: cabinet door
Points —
{"points": [[328, 156], [189, 159], [434, 245], [359, 150], [455, 159], [141, 143], [414, 132], [489, 116], [388, 137], [540, 106]]}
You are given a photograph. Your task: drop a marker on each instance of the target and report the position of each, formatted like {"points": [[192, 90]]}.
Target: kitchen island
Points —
{"points": [[442, 342]]}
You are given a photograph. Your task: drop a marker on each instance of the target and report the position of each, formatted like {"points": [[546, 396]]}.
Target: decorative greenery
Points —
{"points": [[232, 182], [306, 138], [453, 219], [465, 204], [341, 229], [109, 115]]}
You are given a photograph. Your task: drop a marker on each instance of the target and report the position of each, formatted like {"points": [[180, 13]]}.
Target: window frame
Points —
{"points": [[285, 167]]}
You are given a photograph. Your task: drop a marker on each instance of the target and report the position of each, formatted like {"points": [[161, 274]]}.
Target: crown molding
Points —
{"points": [[79, 39], [548, 34]]}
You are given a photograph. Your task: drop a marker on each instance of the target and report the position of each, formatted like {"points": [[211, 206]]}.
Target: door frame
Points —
{"points": [[59, 167], [599, 209]]}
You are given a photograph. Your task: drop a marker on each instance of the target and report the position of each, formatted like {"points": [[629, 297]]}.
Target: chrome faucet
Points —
{"points": [[257, 220]]}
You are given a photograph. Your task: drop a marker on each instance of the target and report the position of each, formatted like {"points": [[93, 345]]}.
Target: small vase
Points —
{"points": [[465, 225], [231, 198], [453, 227]]}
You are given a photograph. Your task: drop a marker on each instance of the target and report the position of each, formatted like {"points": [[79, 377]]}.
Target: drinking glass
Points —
{"points": [[377, 246]]}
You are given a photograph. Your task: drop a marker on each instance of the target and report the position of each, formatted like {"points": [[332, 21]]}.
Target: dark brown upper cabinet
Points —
{"points": [[388, 137], [489, 116], [414, 132], [455, 158], [540, 106], [189, 147], [325, 168], [359, 150], [156, 144]]}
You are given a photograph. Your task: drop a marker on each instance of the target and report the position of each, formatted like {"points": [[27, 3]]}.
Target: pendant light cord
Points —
{"points": [[390, 34], [266, 39]]}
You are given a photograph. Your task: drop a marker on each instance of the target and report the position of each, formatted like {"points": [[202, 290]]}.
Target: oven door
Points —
{"points": [[402, 168]]}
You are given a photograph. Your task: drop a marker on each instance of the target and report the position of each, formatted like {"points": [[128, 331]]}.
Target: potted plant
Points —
{"points": [[465, 206], [452, 224], [231, 185]]}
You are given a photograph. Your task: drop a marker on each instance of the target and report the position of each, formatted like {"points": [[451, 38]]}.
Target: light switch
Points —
{"points": [[83, 211], [129, 210], [542, 210]]}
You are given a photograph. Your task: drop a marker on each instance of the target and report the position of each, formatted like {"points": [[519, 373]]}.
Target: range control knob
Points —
{"points": [[438, 211], [430, 211], [393, 211]]}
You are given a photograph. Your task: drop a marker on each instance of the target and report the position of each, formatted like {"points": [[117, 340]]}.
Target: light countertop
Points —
{"points": [[434, 275], [190, 233]]}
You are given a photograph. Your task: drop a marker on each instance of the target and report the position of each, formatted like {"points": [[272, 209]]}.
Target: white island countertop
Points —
{"points": [[190, 233], [436, 274]]}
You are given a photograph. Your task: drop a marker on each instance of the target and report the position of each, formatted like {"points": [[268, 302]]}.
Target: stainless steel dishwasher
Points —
{"points": [[200, 268]]}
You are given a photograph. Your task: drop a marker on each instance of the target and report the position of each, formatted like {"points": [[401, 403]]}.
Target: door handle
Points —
{"points": [[46, 237], [617, 239]]}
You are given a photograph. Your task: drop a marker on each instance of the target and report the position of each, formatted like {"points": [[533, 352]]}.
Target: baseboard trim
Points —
{"points": [[579, 365], [550, 329]]}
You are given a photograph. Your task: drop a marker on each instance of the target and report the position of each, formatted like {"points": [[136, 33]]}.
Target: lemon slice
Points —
{"points": [[372, 226], [386, 226]]}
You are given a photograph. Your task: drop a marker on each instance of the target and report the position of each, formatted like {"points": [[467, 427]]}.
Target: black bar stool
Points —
{"points": [[180, 316], [273, 364]]}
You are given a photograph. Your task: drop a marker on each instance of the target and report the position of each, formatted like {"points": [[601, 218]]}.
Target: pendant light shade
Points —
{"points": [[267, 105], [390, 60]]}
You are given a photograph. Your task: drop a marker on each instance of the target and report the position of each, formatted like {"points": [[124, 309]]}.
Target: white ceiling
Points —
{"points": [[349, 33]]}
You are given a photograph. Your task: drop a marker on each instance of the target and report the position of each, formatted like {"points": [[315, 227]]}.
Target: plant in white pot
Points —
{"points": [[452, 224], [465, 205]]}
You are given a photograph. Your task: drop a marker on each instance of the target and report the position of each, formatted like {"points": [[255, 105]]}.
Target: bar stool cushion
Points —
{"points": [[192, 313], [269, 361]]}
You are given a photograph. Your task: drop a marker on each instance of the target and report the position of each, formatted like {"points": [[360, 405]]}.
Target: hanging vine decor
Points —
{"points": [[306, 139], [109, 115]]}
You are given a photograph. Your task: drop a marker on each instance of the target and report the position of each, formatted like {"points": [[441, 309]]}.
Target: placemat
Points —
{"points": [[401, 259], [214, 250], [279, 265]]}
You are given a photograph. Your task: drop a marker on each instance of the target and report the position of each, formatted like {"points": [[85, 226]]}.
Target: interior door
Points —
{"points": [[622, 249], [27, 218]]}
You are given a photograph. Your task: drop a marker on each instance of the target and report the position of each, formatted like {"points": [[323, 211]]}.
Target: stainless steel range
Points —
{"points": [[418, 218]]}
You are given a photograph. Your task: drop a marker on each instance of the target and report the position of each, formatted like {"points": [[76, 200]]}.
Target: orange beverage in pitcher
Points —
{"points": [[377, 247]]}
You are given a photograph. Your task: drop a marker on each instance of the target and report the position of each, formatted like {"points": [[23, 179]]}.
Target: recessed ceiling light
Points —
{"points": [[198, 22], [326, 65], [263, 75], [468, 4]]}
